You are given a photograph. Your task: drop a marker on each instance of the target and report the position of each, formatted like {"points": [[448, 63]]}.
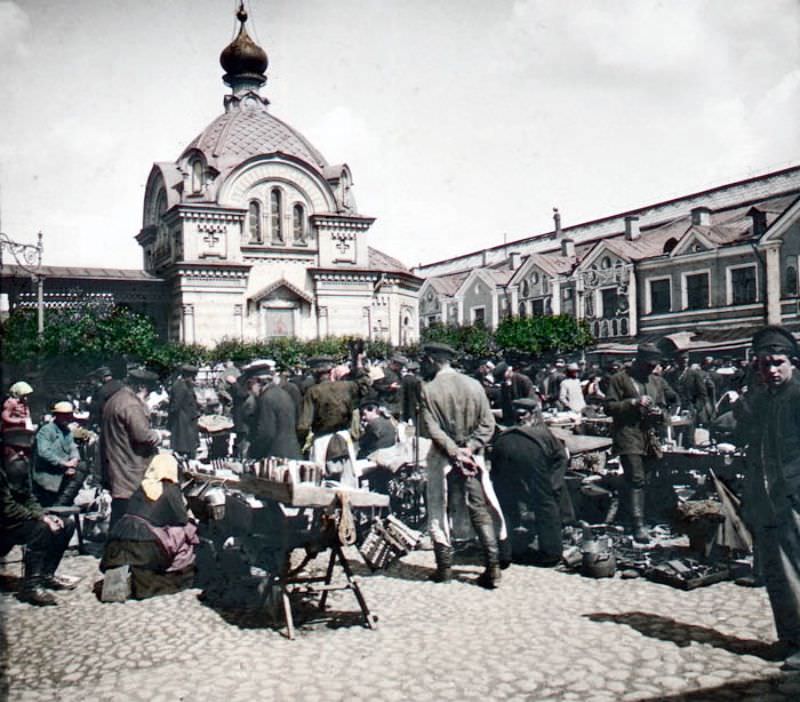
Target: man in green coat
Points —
{"points": [[636, 400]]}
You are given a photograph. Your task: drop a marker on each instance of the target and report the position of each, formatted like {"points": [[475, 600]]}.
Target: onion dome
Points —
{"points": [[244, 61]]}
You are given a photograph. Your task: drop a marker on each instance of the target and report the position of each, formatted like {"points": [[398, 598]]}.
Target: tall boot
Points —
{"points": [[490, 578], [72, 488], [640, 535], [443, 553]]}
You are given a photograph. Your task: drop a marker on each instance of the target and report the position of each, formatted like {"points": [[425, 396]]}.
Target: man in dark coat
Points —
{"points": [[107, 387], [127, 441], [379, 431], [276, 426], [768, 417], [636, 400], [23, 521], [513, 386], [388, 387], [410, 394], [690, 385], [528, 469], [183, 413]]}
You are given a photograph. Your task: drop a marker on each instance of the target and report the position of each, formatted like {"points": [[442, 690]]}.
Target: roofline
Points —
{"points": [[55, 272], [607, 218]]}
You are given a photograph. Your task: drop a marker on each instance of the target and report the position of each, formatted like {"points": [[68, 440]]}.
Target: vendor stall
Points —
{"points": [[270, 519]]}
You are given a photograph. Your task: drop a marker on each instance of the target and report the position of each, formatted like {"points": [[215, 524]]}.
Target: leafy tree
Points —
{"points": [[471, 339], [543, 335]]}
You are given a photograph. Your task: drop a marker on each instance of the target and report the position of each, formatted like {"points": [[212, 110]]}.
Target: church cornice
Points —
{"points": [[334, 221], [237, 271], [205, 213]]}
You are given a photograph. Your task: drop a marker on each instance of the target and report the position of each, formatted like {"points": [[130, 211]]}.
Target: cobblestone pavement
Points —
{"points": [[544, 635]]}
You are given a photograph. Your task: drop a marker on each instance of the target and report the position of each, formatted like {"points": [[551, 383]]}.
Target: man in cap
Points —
{"points": [[107, 386], [327, 413], [274, 432], [183, 413], [23, 521], [768, 417], [570, 392], [690, 385], [379, 431], [457, 418], [513, 386], [636, 400], [552, 382], [388, 387], [58, 470], [410, 394], [127, 441], [528, 469]]}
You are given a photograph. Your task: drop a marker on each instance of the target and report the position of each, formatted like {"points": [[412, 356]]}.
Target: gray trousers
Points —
{"points": [[779, 551]]}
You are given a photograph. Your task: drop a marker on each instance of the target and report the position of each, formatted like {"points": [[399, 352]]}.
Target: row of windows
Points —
{"points": [[275, 221], [743, 290]]}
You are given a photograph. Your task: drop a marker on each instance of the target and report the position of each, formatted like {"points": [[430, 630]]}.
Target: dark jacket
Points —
{"points": [[380, 433], [388, 389], [551, 454], [99, 400], [410, 397], [183, 413], [275, 431], [126, 442], [520, 386], [328, 406], [17, 503], [769, 424], [622, 405]]}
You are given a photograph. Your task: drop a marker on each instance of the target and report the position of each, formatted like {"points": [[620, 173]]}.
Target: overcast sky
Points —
{"points": [[463, 121]]}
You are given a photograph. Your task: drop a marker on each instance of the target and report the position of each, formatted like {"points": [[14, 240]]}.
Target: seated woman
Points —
{"points": [[155, 537]]}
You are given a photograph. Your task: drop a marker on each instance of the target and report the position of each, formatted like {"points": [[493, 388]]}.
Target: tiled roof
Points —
{"points": [[239, 134], [448, 284], [380, 261]]}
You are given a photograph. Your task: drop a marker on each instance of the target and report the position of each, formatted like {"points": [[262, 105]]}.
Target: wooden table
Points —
{"points": [[301, 515]]}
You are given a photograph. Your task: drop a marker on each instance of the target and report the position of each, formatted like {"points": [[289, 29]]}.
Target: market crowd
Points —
{"points": [[492, 453]]}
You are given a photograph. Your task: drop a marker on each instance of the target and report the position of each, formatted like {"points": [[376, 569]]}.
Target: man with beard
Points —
{"points": [[457, 418], [768, 417]]}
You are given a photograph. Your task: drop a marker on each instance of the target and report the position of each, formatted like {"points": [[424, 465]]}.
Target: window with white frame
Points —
{"points": [[276, 216], [742, 288], [660, 295], [254, 222], [538, 307], [479, 315], [609, 302], [696, 291], [790, 286], [299, 224]]}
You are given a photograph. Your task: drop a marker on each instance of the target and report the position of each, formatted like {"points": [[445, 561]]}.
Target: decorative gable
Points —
{"points": [[693, 241]]}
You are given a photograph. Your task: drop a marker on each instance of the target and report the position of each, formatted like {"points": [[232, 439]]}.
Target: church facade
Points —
{"points": [[257, 236]]}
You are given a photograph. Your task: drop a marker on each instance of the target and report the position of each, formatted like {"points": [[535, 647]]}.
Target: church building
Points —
{"points": [[258, 236]]}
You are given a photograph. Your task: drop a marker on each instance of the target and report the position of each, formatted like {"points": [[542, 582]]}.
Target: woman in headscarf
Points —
{"points": [[155, 537], [16, 413]]}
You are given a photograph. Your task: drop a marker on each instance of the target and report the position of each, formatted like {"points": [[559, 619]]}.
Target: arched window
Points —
{"points": [[197, 176], [254, 222], [670, 244], [299, 224], [523, 310], [276, 216], [526, 291]]}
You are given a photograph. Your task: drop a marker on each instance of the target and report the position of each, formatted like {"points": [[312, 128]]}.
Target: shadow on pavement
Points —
{"points": [[748, 689], [681, 634]]}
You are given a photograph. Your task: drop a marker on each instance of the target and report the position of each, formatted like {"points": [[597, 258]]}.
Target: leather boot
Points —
{"points": [[490, 578], [640, 535], [33, 591], [444, 563]]}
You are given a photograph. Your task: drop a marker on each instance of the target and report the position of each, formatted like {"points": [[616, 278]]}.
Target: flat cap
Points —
{"points": [[188, 369], [649, 352], [500, 370], [19, 437], [321, 362], [102, 372], [774, 340], [526, 404], [399, 358], [142, 375], [435, 348], [369, 401], [258, 367]]}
